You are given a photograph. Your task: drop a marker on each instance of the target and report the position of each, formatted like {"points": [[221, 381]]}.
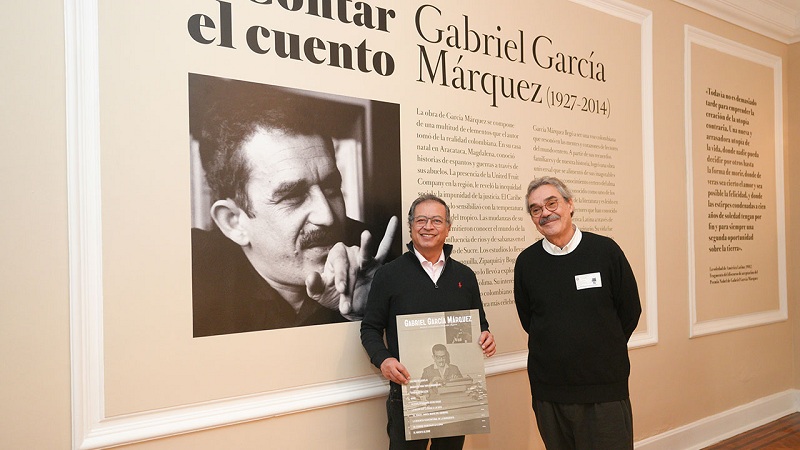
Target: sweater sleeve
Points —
{"points": [[521, 300], [477, 303], [376, 317], [626, 294]]}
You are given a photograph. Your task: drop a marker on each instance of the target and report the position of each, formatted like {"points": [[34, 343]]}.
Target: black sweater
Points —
{"points": [[403, 287], [577, 338]]}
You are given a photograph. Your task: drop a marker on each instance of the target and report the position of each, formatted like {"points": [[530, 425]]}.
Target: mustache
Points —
{"points": [[548, 219], [319, 237]]}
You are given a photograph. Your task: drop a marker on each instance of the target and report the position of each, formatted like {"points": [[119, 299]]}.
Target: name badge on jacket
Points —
{"points": [[589, 280]]}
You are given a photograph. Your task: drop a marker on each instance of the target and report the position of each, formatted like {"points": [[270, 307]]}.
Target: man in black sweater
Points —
{"points": [[423, 280], [577, 299]]}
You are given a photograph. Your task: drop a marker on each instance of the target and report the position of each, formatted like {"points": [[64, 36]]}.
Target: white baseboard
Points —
{"points": [[726, 424]]}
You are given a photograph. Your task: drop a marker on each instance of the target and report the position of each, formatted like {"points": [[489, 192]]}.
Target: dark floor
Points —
{"points": [[783, 433]]}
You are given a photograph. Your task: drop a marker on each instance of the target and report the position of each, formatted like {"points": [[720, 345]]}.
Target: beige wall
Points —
{"points": [[34, 298], [674, 383], [792, 197], [682, 380]]}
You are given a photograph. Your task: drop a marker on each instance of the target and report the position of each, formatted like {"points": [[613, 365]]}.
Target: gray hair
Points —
{"points": [[552, 181], [425, 198]]}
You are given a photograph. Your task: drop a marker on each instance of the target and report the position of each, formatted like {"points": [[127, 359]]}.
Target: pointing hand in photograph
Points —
{"points": [[347, 274]]}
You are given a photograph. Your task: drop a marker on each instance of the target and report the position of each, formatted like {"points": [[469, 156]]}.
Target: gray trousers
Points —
{"points": [[590, 426]]}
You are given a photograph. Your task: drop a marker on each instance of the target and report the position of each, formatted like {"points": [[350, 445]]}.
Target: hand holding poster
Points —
{"points": [[447, 393]]}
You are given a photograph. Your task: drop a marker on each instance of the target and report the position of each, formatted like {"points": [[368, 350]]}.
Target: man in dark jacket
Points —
{"points": [[577, 299], [423, 280]]}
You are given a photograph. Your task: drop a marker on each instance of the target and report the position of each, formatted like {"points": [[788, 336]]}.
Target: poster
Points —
{"points": [[447, 394]]}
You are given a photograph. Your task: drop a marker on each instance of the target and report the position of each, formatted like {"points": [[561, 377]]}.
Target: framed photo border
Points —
{"points": [[696, 36], [91, 428], [644, 18]]}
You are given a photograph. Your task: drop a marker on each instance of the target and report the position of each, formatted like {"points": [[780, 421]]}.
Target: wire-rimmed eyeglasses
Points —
{"points": [[551, 204], [421, 221]]}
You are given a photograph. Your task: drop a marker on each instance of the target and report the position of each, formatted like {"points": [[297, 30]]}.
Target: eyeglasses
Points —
{"points": [[551, 205], [421, 221]]}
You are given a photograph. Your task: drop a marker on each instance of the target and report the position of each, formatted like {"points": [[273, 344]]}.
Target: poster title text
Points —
{"points": [[262, 40], [445, 43]]}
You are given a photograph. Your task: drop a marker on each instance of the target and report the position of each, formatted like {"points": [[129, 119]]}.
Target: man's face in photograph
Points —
{"points": [[440, 358], [297, 204]]}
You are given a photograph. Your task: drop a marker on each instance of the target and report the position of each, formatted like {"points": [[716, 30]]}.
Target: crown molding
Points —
{"points": [[771, 18]]}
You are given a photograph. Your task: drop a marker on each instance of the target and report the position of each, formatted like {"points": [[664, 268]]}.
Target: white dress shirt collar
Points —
{"points": [[555, 250], [434, 270]]}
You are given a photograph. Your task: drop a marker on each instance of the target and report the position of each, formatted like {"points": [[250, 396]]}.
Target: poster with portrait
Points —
{"points": [[447, 394]]}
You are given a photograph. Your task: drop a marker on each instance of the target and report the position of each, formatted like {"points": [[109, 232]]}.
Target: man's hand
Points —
{"points": [[392, 370], [345, 280], [486, 342]]}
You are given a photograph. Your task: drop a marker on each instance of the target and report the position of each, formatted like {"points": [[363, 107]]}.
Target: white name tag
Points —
{"points": [[589, 280]]}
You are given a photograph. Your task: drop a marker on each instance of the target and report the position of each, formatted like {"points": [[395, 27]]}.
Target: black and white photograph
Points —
{"points": [[295, 204]]}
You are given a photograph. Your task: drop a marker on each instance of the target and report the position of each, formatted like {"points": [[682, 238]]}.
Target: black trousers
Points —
{"points": [[397, 430], [590, 426]]}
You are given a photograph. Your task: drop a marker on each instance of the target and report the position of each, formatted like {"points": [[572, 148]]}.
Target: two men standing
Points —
{"points": [[576, 297], [283, 253]]}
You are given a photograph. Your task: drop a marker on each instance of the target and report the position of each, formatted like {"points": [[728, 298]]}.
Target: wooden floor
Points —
{"points": [[783, 433]]}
